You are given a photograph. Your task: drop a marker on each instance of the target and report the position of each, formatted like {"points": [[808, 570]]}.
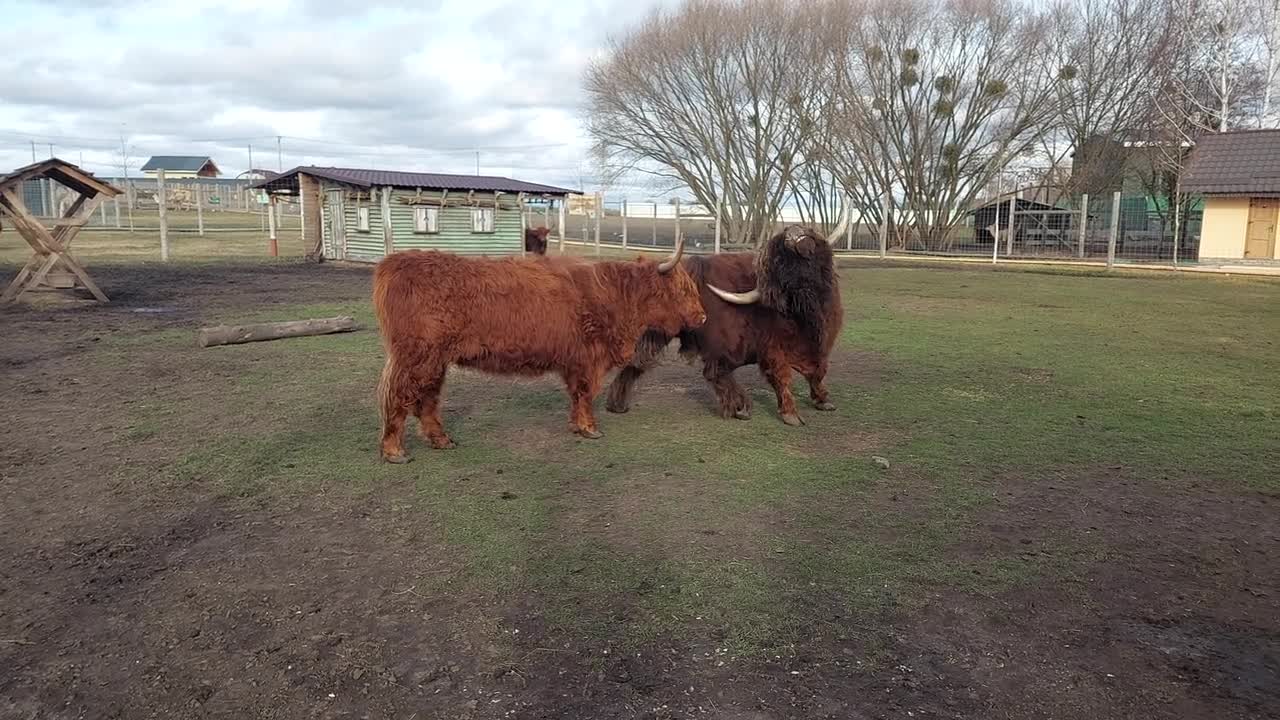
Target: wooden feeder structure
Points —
{"points": [[51, 264]]}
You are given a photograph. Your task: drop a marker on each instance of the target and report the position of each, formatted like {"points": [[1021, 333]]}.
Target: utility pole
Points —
{"points": [[477, 162], [50, 149], [279, 156], [250, 157], [33, 151]]}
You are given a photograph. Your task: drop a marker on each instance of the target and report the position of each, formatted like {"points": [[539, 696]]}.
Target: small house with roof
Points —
{"points": [[181, 167], [365, 215], [1238, 174]]}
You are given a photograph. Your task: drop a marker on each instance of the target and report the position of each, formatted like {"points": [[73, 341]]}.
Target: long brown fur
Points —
{"points": [[793, 327], [522, 316]]}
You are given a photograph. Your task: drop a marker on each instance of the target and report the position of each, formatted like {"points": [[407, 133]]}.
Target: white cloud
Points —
{"points": [[389, 83]]}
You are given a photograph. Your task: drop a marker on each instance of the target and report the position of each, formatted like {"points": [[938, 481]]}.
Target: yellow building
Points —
{"points": [[1238, 173], [181, 167]]}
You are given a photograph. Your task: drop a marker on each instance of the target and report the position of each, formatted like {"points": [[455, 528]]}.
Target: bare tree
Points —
{"points": [[936, 98], [1268, 19], [716, 97], [1112, 53], [1217, 72]]}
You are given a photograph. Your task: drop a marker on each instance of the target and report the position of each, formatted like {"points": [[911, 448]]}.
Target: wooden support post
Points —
{"points": [[624, 223], [524, 225], [116, 201], [238, 334], [162, 202], [546, 214], [654, 227], [388, 232], [102, 214], [1115, 230], [563, 198], [273, 245], [199, 210], [1084, 223]]}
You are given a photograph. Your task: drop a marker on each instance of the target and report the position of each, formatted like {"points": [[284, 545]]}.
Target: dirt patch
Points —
{"points": [[1165, 607]]}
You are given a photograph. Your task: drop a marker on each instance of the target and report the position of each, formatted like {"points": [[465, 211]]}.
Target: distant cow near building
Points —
{"points": [[535, 240], [782, 311], [515, 316]]}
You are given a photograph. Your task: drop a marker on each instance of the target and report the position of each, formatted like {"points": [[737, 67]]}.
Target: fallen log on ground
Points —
{"points": [[236, 334]]}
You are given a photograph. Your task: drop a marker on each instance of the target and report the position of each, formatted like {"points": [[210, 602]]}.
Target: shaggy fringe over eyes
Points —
{"points": [[798, 287]]}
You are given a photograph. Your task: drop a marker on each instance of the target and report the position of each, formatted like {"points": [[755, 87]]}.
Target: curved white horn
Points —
{"points": [[669, 264], [747, 298], [839, 229]]}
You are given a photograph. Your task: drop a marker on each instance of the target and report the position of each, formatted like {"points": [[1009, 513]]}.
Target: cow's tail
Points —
{"points": [[386, 390]]}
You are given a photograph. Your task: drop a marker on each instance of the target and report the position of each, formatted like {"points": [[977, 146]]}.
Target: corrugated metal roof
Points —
{"points": [[177, 163], [1245, 162], [432, 181]]}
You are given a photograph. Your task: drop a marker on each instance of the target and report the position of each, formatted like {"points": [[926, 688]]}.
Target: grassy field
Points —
{"points": [[1077, 518]]}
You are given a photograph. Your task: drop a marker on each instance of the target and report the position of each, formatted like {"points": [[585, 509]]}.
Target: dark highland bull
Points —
{"points": [[515, 316], [535, 240], [782, 312]]}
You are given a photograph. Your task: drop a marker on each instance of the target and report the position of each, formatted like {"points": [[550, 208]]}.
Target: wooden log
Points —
{"points": [[237, 334]]}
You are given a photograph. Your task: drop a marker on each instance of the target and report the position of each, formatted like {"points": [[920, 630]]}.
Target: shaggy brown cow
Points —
{"points": [[786, 316], [535, 240], [515, 316]]}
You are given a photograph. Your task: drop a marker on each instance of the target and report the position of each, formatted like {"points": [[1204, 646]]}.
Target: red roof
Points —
{"points": [[432, 181]]}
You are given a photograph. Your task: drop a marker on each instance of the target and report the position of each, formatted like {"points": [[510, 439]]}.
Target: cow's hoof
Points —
{"points": [[442, 443], [824, 406], [400, 459], [792, 420], [618, 408], [590, 434], [742, 414]]}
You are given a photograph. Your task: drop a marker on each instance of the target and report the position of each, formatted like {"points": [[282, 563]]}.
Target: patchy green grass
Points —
{"points": [[678, 524]]}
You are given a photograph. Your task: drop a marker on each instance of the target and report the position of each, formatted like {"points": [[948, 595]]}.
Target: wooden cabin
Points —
{"points": [[365, 215]]}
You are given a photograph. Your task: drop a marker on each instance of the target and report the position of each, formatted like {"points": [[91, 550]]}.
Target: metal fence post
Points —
{"points": [[161, 200], [1008, 242], [599, 212], [884, 224], [995, 235], [1084, 222], [1177, 223], [1115, 230], [654, 225], [563, 200], [717, 247], [677, 237]]}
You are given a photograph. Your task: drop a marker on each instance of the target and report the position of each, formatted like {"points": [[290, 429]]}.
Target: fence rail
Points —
{"points": [[1118, 228]]}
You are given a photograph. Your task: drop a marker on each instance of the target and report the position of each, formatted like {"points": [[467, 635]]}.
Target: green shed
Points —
{"points": [[365, 215]]}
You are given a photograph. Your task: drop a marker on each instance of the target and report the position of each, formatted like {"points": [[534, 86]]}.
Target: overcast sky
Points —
{"points": [[410, 85]]}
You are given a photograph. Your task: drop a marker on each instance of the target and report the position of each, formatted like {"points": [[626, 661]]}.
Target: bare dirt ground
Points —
{"points": [[124, 596]]}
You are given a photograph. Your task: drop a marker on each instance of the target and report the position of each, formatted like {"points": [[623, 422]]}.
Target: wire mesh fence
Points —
{"points": [[1113, 228], [200, 205]]}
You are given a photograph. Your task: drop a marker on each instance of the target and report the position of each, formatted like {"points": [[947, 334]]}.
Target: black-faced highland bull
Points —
{"points": [[778, 308]]}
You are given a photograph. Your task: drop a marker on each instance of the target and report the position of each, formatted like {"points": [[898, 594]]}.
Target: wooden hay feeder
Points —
{"points": [[51, 265]]}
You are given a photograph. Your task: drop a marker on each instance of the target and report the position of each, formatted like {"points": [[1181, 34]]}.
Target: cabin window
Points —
{"points": [[482, 220], [362, 219], [426, 220]]}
